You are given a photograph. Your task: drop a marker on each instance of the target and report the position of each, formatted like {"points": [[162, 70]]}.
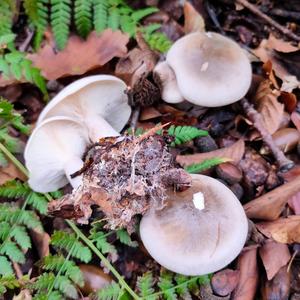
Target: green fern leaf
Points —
{"points": [[142, 13], [54, 295], [8, 282], [6, 39], [70, 244], [101, 242], [10, 249], [185, 134], [38, 201], [145, 285], [167, 287], [100, 8], [64, 285], [83, 17], [5, 268], [205, 165], [110, 292], [3, 160], [4, 230], [6, 16], [14, 189], [66, 267], [125, 238], [43, 282], [128, 25], [113, 19], [60, 21], [21, 237], [11, 143], [37, 12]]}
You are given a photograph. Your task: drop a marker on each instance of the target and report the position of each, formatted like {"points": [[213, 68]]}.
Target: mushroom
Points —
{"points": [[200, 231], [53, 152], [97, 101], [211, 70]]}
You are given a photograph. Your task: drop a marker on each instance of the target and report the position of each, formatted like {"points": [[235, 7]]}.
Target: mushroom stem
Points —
{"points": [[99, 128], [71, 167]]}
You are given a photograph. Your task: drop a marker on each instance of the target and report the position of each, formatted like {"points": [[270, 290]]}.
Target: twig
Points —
{"points": [[269, 20], [23, 47], [284, 164], [285, 13], [135, 117]]}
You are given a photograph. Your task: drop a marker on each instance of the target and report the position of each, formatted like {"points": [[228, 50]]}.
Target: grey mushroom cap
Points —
{"points": [[211, 70], [193, 241]]}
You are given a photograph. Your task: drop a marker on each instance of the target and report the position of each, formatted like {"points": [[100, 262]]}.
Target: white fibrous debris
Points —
{"points": [[198, 200], [204, 66]]}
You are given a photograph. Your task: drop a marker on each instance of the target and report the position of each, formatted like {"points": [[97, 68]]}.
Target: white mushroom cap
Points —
{"points": [[211, 70], [167, 79], [190, 240], [53, 152], [90, 100]]}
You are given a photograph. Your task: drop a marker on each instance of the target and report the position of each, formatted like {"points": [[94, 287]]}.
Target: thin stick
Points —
{"points": [[283, 163], [269, 20]]}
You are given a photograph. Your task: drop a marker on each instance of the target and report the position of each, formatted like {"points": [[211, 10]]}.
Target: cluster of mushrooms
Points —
{"points": [[202, 229]]}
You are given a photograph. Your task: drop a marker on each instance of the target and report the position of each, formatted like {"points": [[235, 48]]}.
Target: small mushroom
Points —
{"points": [[53, 152], [210, 70], [99, 102], [201, 230]]}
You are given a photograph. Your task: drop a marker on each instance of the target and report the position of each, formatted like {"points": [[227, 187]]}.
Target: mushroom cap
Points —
{"points": [[211, 70], [167, 81], [100, 95], [54, 144], [191, 241]]}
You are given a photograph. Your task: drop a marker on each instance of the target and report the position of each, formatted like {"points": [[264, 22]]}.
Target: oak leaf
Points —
{"points": [[80, 56]]}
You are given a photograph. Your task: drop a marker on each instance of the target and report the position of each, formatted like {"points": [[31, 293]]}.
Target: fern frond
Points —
{"points": [[15, 215], [69, 243], [8, 282], [101, 243], [100, 8], [54, 295], [4, 230], [145, 285], [166, 286], [205, 165], [10, 249], [14, 189], [58, 263], [3, 160], [110, 292], [83, 17], [113, 20], [125, 238], [60, 21], [20, 235], [38, 201], [64, 285], [11, 143], [185, 134], [6, 268], [15, 64], [138, 15], [6, 16], [37, 12]]}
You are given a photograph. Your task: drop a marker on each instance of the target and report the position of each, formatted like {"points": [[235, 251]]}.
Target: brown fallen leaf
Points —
{"points": [[270, 108], [79, 55], [270, 205], [149, 113], [294, 203], [280, 45], [278, 287], [10, 172], [274, 256], [225, 281], [193, 21], [267, 52], [234, 152], [289, 100], [283, 230], [247, 265]]}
